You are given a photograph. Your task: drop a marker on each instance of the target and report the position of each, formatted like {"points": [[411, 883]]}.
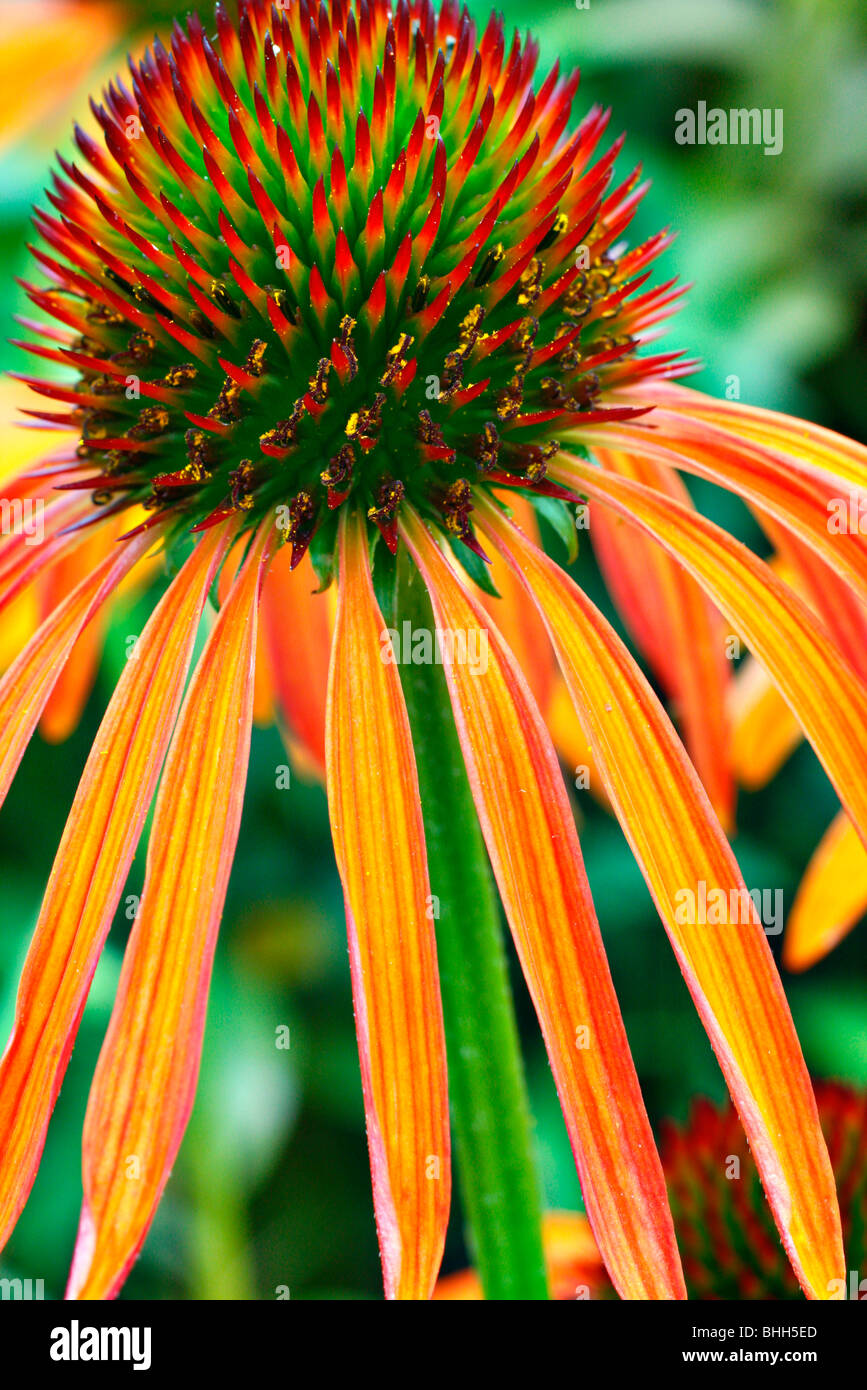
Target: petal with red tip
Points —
{"points": [[811, 444], [530, 834], [679, 846], [143, 1089], [378, 833]]}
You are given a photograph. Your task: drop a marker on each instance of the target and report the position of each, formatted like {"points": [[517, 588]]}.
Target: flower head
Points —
{"points": [[338, 262], [340, 283]]}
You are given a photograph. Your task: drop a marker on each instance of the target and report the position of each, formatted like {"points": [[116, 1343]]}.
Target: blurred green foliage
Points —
{"points": [[271, 1189]]}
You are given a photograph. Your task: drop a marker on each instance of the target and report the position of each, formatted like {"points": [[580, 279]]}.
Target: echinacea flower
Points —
{"points": [[335, 285], [725, 1232]]}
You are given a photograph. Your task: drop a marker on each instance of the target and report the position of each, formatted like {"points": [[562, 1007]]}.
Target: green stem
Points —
{"points": [[490, 1113]]}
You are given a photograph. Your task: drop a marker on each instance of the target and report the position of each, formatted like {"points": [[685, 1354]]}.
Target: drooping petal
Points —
{"points": [[378, 832], [798, 498], [524, 633], [831, 897], [73, 686], [263, 686], [530, 835], [680, 846], [675, 625], [27, 685], [764, 729], [89, 873], [296, 626], [571, 742], [813, 445], [519, 625], [145, 1079], [825, 693], [22, 560], [839, 606]]}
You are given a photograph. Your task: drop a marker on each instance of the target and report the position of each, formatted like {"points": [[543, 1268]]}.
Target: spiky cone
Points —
{"points": [[347, 271]]}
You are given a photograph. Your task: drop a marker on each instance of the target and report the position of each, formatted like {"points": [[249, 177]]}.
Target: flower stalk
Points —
{"points": [[491, 1123]]}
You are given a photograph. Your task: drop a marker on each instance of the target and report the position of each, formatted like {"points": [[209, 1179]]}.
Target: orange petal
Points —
{"points": [[764, 729], [675, 625], [90, 870], [810, 444], [143, 1089], [518, 623], [824, 692], [378, 832], [679, 846], [263, 685], [22, 560], [571, 742], [296, 625], [534, 850], [524, 633], [836, 602], [26, 686], [73, 686], [797, 496], [831, 898]]}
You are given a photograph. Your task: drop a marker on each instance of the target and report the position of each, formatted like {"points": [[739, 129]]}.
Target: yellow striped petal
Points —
{"points": [[145, 1080], [531, 839], [824, 692], [26, 686], [679, 847], [89, 873], [378, 834], [674, 624]]}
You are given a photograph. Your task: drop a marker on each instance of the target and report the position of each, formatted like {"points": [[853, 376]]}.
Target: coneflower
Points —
{"points": [[333, 287]]}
